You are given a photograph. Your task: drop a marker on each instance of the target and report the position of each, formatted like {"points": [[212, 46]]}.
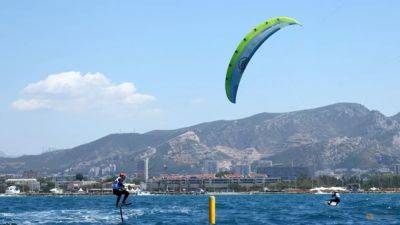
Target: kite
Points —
{"points": [[246, 49]]}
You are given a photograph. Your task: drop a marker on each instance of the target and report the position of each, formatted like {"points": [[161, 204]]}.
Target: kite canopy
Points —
{"points": [[246, 49]]}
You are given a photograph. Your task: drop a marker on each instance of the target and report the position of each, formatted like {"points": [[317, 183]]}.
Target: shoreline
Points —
{"points": [[191, 194]]}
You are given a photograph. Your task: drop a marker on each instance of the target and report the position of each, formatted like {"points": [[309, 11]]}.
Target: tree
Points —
{"points": [[46, 184], [222, 174], [79, 176]]}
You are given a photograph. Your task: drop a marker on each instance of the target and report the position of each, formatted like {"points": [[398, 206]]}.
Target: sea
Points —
{"points": [[285, 209]]}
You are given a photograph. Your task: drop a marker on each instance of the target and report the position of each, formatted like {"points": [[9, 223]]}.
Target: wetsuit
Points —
{"points": [[335, 198], [118, 190]]}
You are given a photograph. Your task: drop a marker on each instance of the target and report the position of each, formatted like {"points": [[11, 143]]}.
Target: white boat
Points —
{"points": [[138, 191], [319, 192], [223, 193], [56, 191], [12, 190], [327, 190], [374, 189], [135, 189], [81, 191], [143, 193]]}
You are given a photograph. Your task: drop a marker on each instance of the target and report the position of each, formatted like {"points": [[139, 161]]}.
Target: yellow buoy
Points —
{"points": [[211, 203]]}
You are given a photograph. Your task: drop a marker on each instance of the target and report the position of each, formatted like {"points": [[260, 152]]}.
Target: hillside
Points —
{"points": [[343, 135]]}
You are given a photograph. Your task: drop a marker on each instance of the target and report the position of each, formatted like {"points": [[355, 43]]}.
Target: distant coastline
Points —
{"points": [[397, 191]]}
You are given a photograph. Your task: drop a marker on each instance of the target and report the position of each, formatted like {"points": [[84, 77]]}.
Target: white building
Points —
{"points": [[94, 171], [146, 169], [31, 184]]}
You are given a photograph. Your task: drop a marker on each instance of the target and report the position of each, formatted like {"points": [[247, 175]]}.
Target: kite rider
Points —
{"points": [[119, 190]]}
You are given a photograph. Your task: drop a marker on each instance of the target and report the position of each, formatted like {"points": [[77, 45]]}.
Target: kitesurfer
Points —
{"points": [[119, 189], [335, 198]]}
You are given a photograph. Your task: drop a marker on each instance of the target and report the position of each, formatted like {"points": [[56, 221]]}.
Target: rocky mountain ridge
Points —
{"points": [[343, 135]]}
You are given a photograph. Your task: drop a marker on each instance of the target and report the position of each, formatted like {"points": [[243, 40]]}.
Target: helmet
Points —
{"points": [[122, 174]]}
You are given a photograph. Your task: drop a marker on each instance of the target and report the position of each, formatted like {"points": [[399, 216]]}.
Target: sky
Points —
{"points": [[74, 71]]}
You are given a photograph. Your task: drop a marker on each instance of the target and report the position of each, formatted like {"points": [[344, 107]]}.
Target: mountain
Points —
{"points": [[396, 117], [3, 154], [6, 155], [343, 135]]}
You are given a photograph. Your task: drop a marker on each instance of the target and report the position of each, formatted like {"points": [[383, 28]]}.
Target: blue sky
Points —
{"points": [[136, 66]]}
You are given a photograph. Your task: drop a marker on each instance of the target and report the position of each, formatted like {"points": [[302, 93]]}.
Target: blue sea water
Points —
{"points": [[234, 209]]}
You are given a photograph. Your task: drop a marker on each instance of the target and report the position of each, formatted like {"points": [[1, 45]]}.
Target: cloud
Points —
{"points": [[72, 91], [30, 104]]}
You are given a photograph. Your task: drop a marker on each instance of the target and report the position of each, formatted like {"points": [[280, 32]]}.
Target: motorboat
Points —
{"points": [[13, 190], [56, 191], [327, 190], [136, 190], [319, 192], [143, 193]]}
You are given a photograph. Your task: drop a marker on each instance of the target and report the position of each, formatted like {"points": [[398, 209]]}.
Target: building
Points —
{"points": [[244, 169], [210, 183], [75, 186], [94, 171], [105, 171], [142, 168], [146, 170], [262, 163], [285, 172], [326, 172], [63, 177], [210, 166], [30, 174], [397, 169], [26, 185], [108, 170]]}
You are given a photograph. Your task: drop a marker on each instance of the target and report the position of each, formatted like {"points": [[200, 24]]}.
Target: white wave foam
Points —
{"points": [[63, 217]]}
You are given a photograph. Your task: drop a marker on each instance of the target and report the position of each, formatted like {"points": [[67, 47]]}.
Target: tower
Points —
{"points": [[146, 169]]}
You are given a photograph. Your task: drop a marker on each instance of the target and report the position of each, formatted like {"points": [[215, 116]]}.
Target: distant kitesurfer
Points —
{"points": [[119, 189], [335, 198]]}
